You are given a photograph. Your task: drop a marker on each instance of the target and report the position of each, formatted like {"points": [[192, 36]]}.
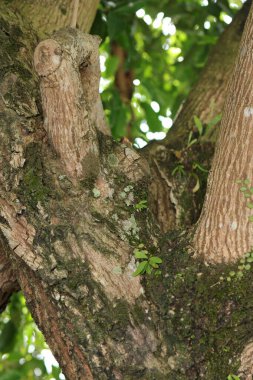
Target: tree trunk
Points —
{"points": [[225, 230], [47, 16], [71, 238], [172, 199]]}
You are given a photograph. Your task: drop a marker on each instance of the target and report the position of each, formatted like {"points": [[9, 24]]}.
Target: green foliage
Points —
{"points": [[244, 265], [22, 345], [142, 205], [233, 377], [166, 45], [195, 169], [147, 263]]}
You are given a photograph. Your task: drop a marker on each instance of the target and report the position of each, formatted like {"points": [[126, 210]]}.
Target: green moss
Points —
{"points": [[32, 187], [113, 160], [205, 316]]}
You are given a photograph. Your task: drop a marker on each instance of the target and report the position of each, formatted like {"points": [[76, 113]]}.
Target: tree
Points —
{"points": [[75, 221]]}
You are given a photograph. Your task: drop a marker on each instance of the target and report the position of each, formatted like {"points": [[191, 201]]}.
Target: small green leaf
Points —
{"points": [[196, 165], [155, 259], [141, 268], [141, 205], [247, 266], [251, 218], [232, 273], [198, 124], [149, 269], [140, 254], [246, 181], [243, 188], [250, 205]]}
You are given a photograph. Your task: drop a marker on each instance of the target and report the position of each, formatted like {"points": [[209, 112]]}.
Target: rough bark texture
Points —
{"points": [[212, 85], [71, 245], [225, 232], [47, 16], [171, 197], [68, 65]]}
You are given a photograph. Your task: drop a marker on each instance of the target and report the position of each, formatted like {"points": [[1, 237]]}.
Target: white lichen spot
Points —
{"points": [[96, 192], [122, 195], [248, 111], [132, 265], [233, 225], [62, 177], [110, 192], [130, 199], [117, 270], [128, 188], [56, 296], [130, 226], [115, 217], [220, 225]]}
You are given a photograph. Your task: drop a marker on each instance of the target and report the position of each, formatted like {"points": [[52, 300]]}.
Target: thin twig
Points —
{"points": [[75, 13]]}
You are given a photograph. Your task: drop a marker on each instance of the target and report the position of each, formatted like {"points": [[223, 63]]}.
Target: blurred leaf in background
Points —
{"points": [[24, 354], [152, 54]]}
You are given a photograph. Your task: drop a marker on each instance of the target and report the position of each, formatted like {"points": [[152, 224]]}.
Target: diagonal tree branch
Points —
{"points": [[48, 16]]}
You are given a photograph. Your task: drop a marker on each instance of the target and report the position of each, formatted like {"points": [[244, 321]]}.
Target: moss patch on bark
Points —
{"points": [[206, 317]]}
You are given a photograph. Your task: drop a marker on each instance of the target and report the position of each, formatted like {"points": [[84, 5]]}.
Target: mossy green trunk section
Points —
{"points": [[206, 312]]}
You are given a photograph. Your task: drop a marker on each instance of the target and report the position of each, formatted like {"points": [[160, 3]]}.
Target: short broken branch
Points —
{"points": [[68, 65]]}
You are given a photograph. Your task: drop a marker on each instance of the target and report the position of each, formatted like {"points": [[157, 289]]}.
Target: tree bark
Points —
{"points": [[225, 230], [171, 197], [71, 243], [47, 16]]}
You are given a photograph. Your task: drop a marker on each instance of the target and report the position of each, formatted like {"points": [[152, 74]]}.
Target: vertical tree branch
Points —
{"points": [[74, 14], [225, 232], [68, 65]]}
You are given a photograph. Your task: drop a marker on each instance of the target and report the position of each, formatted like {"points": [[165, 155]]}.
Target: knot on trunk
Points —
{"points": [[68, 67]]}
